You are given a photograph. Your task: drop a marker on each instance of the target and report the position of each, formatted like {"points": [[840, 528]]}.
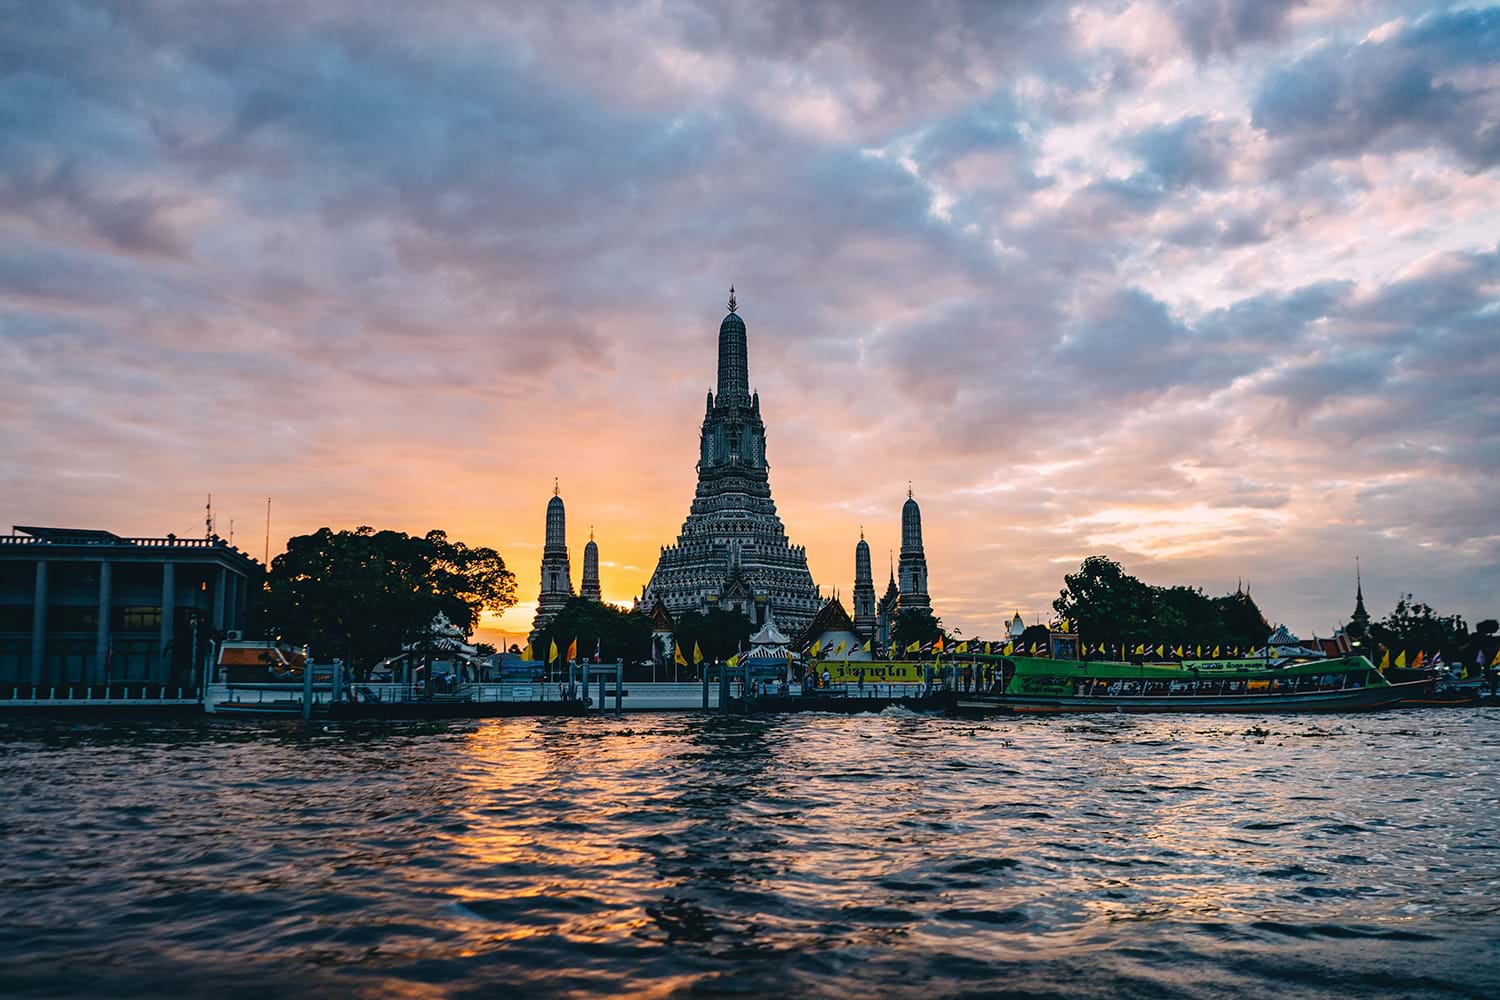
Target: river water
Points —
{"points": [[873, 855]]}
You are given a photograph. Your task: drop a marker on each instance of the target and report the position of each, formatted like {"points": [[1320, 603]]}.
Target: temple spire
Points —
{"points": [[734, 368]]}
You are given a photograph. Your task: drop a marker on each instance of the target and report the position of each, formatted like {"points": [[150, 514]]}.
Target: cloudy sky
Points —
{"points": [[1211, 287]]}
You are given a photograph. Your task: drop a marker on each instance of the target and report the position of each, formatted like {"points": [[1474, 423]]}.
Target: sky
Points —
{"points": [[1211, 287]]}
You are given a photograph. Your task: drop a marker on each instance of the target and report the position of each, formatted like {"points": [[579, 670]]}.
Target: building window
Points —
{"points": [[140, 618], [70, 618]]}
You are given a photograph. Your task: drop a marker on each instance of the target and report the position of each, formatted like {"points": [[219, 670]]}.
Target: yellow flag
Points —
{"points": [[840, 650], [1010, 648], [1177, 651], [867, 647], [1496, 661], [913, 646], [697, 653], [1161, 650], [677, 655], [526, 653], [1385, 659], [1401, 659], [1140, 649], [1216, 651], [552, 651], [733, 661]]}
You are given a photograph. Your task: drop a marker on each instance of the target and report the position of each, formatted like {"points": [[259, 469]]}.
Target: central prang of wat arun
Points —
{"points": [[733, 552]]}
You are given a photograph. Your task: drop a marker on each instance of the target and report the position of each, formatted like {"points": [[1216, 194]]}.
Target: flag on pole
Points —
{"points": [[817, 645], [1401, 659], [1009, 650], [677, 656], [1161, 650], [733, 661], [526, 653], [697, 653], [914, 646], [573, 650], [963, 647], [1418, 661], [937, 645], [598, 648], [1216, 652], [552, 651], [1496, 661], [1385, 659], [868, 647]]}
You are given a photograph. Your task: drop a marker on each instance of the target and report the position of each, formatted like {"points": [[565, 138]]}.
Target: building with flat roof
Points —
{"points": [[90, 607]]}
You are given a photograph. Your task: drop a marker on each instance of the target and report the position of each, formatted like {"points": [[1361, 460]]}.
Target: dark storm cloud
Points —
{"points": [[1404, 92]]}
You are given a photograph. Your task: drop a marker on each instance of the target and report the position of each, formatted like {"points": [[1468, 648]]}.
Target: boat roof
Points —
{"points": [[1186, 670]]}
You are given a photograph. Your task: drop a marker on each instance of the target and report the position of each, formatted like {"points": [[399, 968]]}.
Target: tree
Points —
{"points": [[1114, 608], [1107, 604], [1414, 626], [363, 594], [616, 633], [915, 625], [719, 633]]}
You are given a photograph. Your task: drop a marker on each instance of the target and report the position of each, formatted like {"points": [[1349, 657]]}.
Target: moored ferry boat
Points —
{"points": [[1041, 686]]}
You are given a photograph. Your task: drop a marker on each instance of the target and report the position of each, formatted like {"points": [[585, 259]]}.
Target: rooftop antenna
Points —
{"points": [[908, 490], [554, 486], [733, 305], [208, 518], [231, 532], [268, 532]]}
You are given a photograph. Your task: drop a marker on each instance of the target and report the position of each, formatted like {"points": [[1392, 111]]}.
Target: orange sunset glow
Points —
{"points": [[1171, 320]]}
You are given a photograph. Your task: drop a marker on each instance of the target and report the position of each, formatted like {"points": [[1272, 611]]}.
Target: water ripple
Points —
{"points": [[885, 854]]}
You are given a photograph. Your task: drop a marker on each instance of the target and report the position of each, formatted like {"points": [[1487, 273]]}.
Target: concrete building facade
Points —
{"points": [[84, 607]]}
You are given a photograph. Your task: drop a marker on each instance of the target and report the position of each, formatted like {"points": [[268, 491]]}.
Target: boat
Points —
{"points": [[1030, 685]]}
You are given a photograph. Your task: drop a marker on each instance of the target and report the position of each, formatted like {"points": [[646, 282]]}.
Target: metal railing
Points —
{"points": [[180, 543], [84, 695]]}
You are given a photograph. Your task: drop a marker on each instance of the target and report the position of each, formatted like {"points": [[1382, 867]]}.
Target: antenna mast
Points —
{"points": [[268, 531], [208, 518]]}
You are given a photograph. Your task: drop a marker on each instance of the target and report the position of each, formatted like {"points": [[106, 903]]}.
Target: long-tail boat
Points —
{"points": [[1041, 686]]}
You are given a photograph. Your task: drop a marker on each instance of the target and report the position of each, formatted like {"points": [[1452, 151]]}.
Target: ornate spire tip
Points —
{"points": [[733, 305], [554, 486]]}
